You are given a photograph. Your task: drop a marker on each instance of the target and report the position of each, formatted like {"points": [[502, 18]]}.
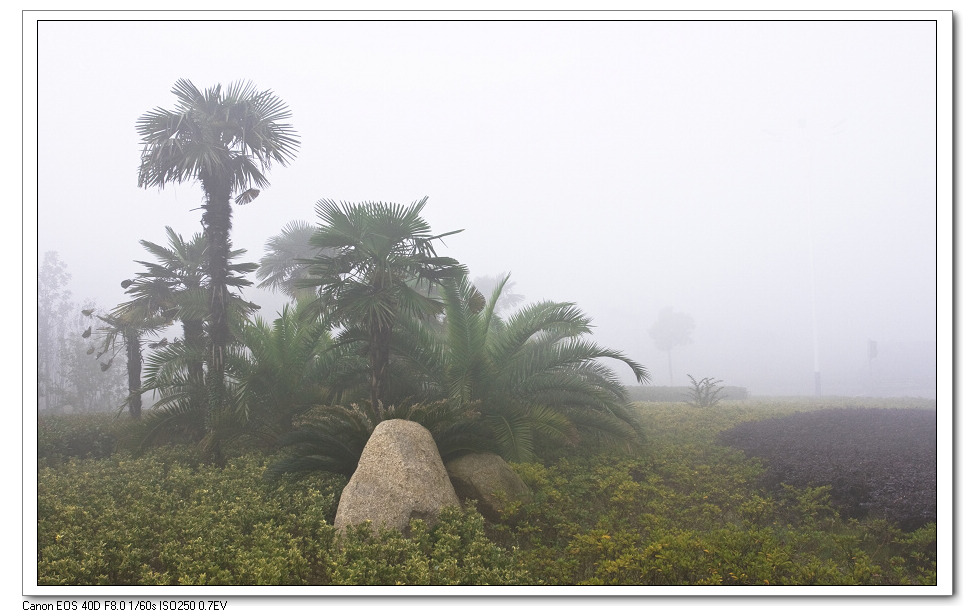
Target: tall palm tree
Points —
{"points": [[532, 374], [226, 139], [380, 256]]}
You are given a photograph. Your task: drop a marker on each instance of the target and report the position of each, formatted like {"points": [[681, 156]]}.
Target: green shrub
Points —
{"points": [[159, 520], [166, 519], [682, 510], [77, 436], [454, 551]]}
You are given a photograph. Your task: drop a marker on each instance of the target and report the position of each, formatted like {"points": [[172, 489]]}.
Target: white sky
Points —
{"points": [[741, 172]]}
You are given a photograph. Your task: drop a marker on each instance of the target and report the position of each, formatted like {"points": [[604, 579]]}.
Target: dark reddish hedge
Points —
{"points": [[879, 462]]}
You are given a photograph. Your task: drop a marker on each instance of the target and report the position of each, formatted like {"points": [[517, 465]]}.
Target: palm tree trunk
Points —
{"points": [[216, 229], [379, 361], [194, 337], [133, 351]]}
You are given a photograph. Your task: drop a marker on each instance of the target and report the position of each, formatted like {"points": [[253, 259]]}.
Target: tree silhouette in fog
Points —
{"points": [[670, 330]]}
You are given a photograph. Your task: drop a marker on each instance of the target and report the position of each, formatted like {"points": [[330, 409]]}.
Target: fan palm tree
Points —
{"points": [[175, 285], [124, 330], [226, 139], [378, 259], [531, 374], [286, 260]]}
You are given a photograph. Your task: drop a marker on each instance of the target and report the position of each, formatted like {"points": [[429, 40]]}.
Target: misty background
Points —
{"points": [[773, 180]]}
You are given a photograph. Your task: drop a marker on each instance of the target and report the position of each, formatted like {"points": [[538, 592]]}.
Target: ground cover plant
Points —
{"points": [[680, 508], [879, 462]]}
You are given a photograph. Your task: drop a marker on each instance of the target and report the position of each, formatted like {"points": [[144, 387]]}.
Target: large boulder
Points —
{"points": [[400, 477], [486, 478]]}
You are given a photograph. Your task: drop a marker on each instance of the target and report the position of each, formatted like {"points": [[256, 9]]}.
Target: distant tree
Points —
{"points": [[86, 387], [123, 332], [508, 298], [226, 139], [53, 308], [671, 329], [285, 263]]}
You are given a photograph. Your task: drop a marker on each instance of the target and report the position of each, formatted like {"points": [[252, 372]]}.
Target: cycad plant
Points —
{"points": [[331, 438], [291, 366], [531, 375]]}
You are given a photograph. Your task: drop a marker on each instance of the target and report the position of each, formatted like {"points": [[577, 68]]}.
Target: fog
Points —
{"points": [[775, 180]]}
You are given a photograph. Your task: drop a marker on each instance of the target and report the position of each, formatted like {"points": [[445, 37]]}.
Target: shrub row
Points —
{"points": [[76, 436], [659, 393]]}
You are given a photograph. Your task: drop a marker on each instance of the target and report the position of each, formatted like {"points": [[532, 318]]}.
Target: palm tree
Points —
{"points": [[379, 257], [480, 383], [226, 139], [532, 374], [131, 323], [175, 285], [286, 260]]}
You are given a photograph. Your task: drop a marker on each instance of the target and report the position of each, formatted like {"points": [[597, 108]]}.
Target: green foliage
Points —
{"points": [[79, 436], [534, 376], [164, 519], [331, 438], [377, 265], [686, 511], [455, 551], [681, 510], [286, 260], [289, 366], [704, 393]]}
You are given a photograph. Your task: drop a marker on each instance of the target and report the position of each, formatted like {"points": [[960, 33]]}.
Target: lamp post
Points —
{"points": [[803, 135]]}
